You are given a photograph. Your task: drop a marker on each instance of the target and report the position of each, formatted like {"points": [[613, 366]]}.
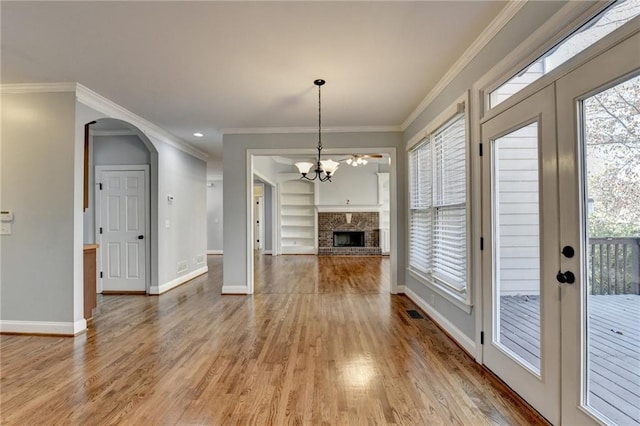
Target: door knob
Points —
{"points": [[566, 277], [568, 251], [141, 237]]}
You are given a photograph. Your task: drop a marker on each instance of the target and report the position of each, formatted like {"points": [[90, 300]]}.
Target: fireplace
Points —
{"points": [[348, 238], [352, 234]]}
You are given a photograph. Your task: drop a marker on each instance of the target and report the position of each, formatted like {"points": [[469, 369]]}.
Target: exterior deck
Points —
{"points": [[614, 348]]}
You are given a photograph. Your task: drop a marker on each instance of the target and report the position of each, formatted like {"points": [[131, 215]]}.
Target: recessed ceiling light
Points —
{"points": [[198, 135]]}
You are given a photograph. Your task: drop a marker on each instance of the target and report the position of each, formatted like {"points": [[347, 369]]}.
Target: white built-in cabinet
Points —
{"points": [[298, 217], [385, 212]]}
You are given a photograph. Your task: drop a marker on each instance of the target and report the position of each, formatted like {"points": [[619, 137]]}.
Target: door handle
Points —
{"points": [[141, 237], [566, 277]]}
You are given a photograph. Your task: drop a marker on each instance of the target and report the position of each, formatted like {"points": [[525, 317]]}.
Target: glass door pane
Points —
{"points": [[611, 146], [517, 245]]}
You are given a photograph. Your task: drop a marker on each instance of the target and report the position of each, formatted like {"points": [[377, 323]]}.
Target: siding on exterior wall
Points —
{"points": [[516, 157]]}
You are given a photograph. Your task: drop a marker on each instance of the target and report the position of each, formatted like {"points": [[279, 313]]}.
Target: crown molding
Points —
{"points": [[98, 102], [37, 87], [278, 130], [505, 15]]}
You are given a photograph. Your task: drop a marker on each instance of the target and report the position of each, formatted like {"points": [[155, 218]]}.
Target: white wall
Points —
{"points": [[184, 177], [359, 185], [214, 215], [38, 172], [119, 150]]}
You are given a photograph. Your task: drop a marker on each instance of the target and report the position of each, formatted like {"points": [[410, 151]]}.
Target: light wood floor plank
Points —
{"points": [[321, 342]]}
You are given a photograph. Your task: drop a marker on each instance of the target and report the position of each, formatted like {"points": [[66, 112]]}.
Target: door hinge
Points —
{"points": [[481, 243], [482, 337], [100, 274], [480, 150], [101, 229], [100, 186]]}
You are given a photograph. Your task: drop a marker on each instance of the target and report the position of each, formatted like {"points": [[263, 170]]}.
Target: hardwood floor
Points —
{"points": [[315, 353]]}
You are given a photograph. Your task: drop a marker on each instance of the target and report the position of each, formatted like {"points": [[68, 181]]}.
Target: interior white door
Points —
{"points": [[599, 158], [521, 307], [258, 217], [122, 229]]}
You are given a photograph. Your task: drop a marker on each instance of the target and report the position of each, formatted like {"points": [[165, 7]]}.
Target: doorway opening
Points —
{"points": [[306, 215]]}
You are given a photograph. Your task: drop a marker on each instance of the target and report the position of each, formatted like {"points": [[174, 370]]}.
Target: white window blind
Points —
{"points": [[437, 192]]}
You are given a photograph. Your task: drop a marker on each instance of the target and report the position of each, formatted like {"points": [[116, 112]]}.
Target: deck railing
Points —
{"points": [[614, 265]]}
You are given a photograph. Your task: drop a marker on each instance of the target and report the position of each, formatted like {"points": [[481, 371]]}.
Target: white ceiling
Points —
{"points": [[211, 66]]}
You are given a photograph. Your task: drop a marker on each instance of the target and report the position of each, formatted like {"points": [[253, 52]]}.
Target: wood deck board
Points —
{"points": [[614, 358], [320, 353]]}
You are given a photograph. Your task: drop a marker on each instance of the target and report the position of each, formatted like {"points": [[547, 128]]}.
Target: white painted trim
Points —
{"points": [[234, 289], [37, 87], [566, 20], [505, 15], [249, 221], [461, 338], [401, 290], [267, 252], [351, 208], [289, 130], [98, 102], [214, 252], [178, 281], [43, 327]]}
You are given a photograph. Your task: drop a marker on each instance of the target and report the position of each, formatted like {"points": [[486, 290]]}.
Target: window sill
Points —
{"points": [[462, 303]]}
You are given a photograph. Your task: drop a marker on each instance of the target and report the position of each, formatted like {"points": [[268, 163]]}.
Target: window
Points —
{"points": [[438, 211], [607, 21]]}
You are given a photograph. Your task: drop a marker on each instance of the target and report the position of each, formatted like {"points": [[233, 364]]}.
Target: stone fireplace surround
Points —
{"points": [[360, 221]]}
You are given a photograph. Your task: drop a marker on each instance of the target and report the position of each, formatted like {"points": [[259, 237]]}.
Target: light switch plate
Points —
{"points": [[5, 229]]}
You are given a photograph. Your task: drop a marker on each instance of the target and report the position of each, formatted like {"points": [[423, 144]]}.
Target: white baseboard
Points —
{"points": [[214, 252], [400, 289], [180, 280], [267, 252], [234, 289], [462, 339], [43, 327]]}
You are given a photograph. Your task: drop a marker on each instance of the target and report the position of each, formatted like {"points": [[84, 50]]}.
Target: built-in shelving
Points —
{"points": [[297, 217]]}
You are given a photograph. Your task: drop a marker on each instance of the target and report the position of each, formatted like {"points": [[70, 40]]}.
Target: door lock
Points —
{"points": [[140, 237], [566, 277], [568, 252]]}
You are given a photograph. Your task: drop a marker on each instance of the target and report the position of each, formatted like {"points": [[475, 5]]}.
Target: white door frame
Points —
{"points": [[98, 219], [274, 211], [394, 181]]}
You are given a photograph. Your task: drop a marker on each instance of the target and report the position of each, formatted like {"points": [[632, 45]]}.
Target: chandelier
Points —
{"points": [[324, 168]]}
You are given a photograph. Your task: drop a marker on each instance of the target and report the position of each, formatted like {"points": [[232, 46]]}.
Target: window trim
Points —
{"points": [[462, 300], [564, 23]]}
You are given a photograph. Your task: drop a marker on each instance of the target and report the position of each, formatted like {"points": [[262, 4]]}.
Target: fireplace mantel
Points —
{"points": [[351, 208]]}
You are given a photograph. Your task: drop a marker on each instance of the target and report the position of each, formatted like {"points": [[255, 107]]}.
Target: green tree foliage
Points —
{"points": [[612, 133]]}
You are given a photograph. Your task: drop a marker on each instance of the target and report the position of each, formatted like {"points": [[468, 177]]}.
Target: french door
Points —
{"points": [[520, 261], [561, 226], [599, 158]]}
